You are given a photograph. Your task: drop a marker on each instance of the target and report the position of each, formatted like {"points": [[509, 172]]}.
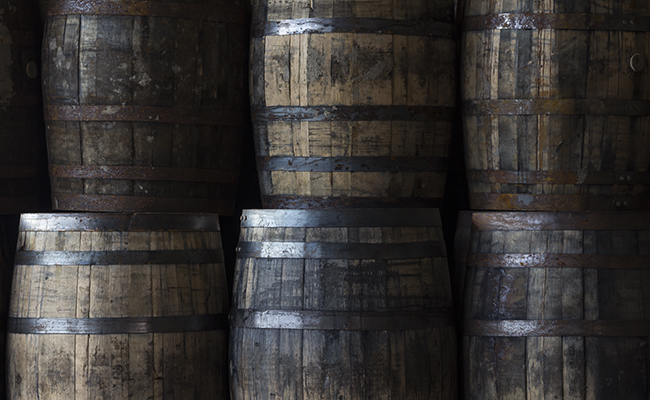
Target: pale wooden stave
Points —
{"points": [[581, 137], [572, 331], [351, 76], [181, 364], [320, 359]]}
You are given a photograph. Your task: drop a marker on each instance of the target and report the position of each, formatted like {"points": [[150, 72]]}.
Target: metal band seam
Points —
{"points": [[120, 203], [168, 115], [558, 177], [553, 221], [348, 218], [558, 260], [518, 107], [342, 202], [559, 21], [118, 325], [313, 250], [117, 257], [141, 221], [566, 202], [435, 29], [143, 173], [352, 113], [539, 328], [342, 320]]}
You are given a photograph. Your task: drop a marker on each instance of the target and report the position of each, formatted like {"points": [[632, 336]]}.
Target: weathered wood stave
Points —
{"points": [[84, 322], [23, 157], [353, 102], [145, 104], [555, 114], [318, 311], [556, 306]]}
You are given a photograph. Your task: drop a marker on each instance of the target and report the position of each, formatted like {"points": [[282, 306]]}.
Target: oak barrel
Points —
{"points": [[557, 306], [23, 157], [118, 306], [352, 101], [145, 103], [342, 304], [556, 104]]}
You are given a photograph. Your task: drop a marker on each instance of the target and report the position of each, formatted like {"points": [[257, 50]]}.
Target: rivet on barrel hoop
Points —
{"points": [[637, 62]]}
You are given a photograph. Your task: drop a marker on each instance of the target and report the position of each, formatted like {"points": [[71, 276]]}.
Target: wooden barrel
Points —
{"points": [[342, 304], [352, 101], [23, 157], [118, 306], [557, 306], [556, 99], [145, 104]]}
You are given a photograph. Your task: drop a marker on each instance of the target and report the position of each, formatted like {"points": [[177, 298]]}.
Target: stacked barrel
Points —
{"points": [[143, 111], [124, 295], [557, 145], [353, 102], [341, 286]]}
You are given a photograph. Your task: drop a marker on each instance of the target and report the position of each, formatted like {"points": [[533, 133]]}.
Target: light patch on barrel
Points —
{"points": [[525, 198], [145, 80]]}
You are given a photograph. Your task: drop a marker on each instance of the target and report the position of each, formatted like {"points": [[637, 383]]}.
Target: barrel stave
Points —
{"points": [[326, 363], [411, 9], [557, 365], [124, 364]]}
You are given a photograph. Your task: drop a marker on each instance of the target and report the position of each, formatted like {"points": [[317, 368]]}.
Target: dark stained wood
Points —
{"points": [[461, 251], [329, 94], [546, 91], [164, 79], [557, 364], [23, 158], [181, 364], [406, 363]]}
